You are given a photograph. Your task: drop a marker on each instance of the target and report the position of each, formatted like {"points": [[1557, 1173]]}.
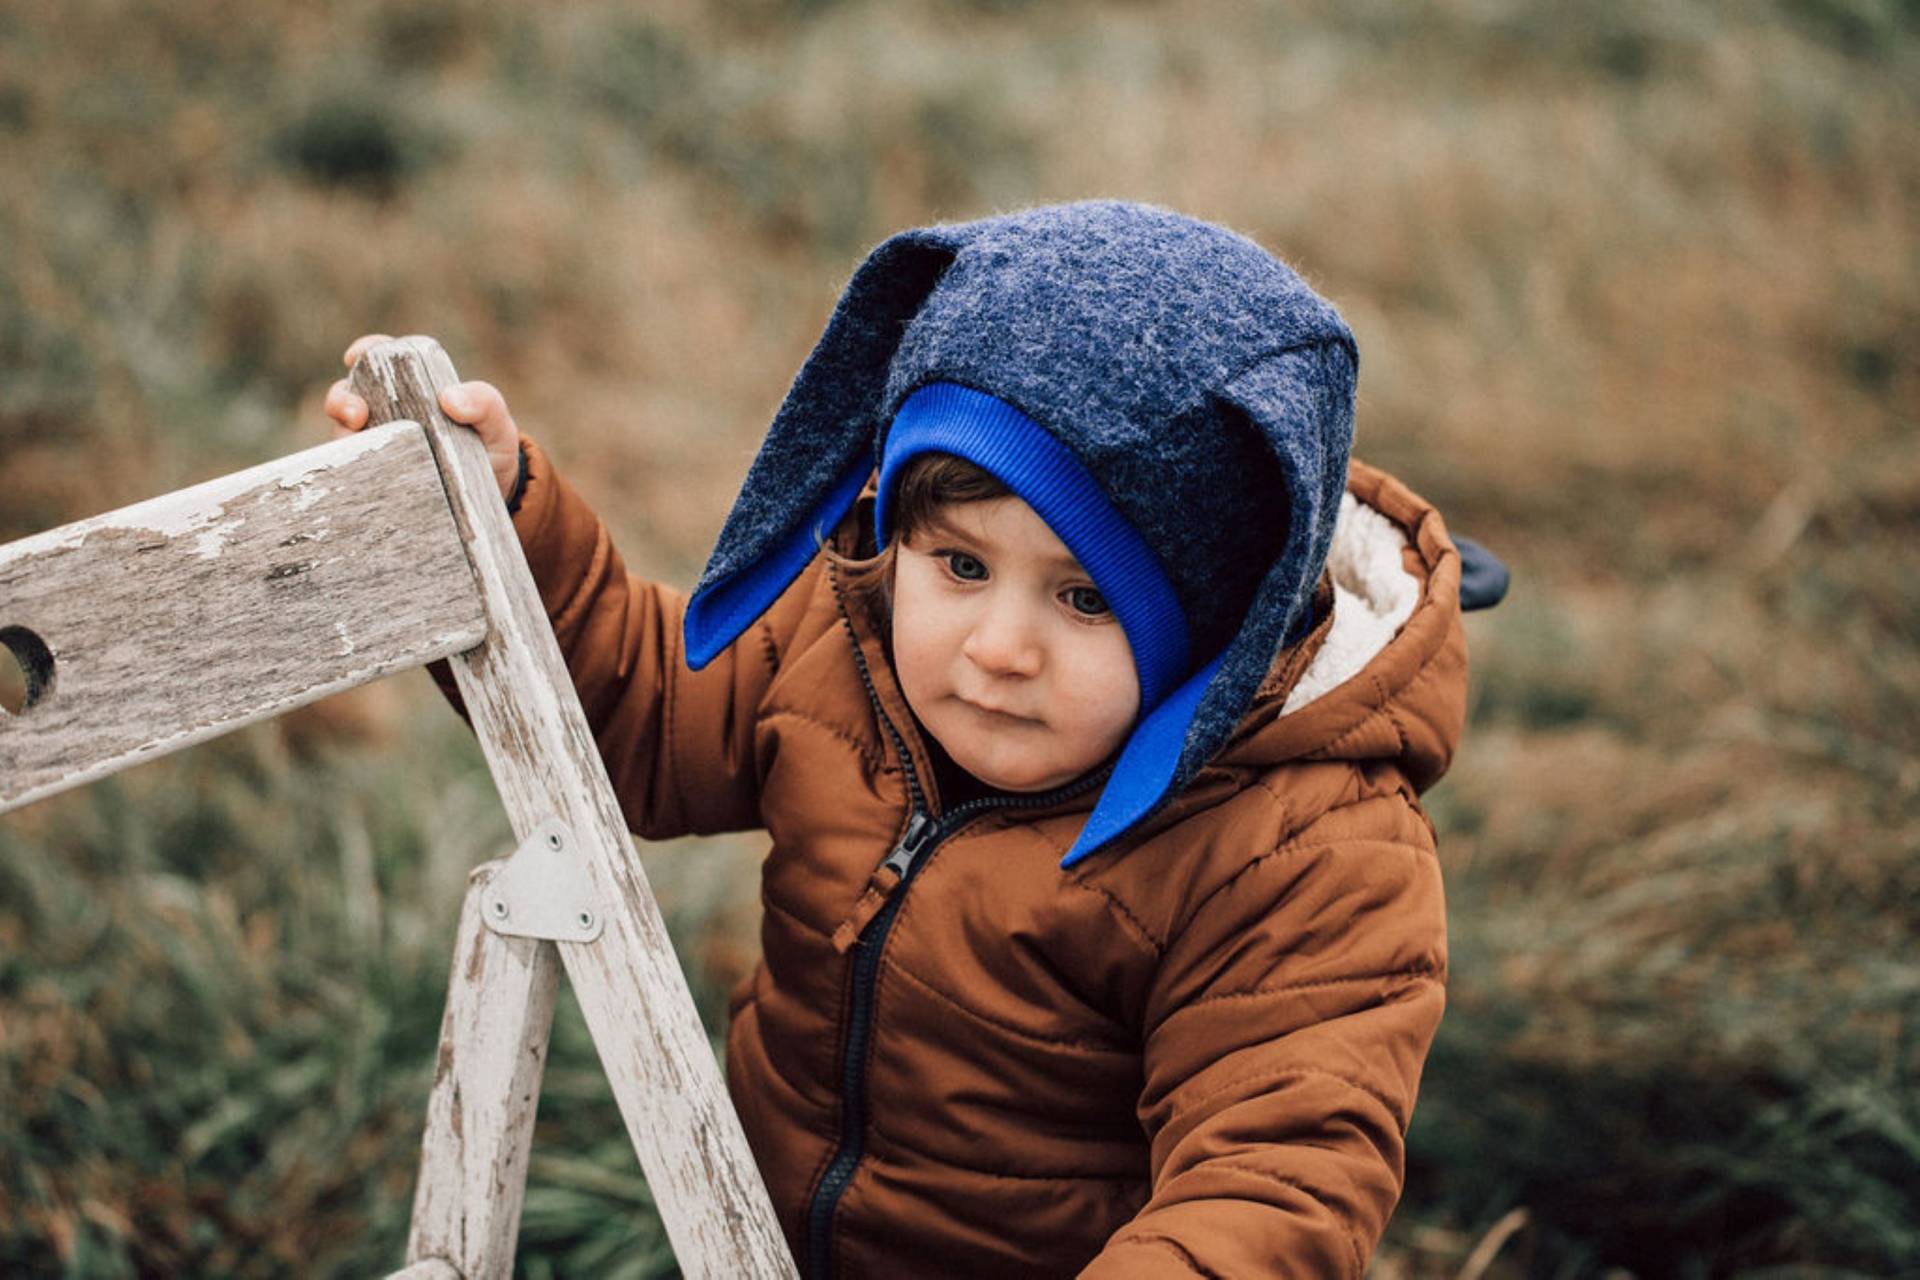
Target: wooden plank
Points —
{"points": [[431, 1269], [544, 761], [184, 617], [486, 1087]]}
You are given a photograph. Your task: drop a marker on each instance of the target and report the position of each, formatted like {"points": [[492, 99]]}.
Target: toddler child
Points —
{"points": [[1086, 693]]}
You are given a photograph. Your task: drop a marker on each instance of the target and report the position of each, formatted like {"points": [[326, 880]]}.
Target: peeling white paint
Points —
{"points": [[346, 641], [212, 542], [202, 509]]}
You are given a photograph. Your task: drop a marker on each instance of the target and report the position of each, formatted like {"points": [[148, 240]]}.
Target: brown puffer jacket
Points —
{"points": [[1195, 1053]]}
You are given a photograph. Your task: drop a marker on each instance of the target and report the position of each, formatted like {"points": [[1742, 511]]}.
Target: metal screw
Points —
{"points": [[553, 840], [586, 921], [499, 908]]}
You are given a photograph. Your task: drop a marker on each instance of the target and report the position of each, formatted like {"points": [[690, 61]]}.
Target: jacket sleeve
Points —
{"points": [[678, 744], [1284, 1037]]}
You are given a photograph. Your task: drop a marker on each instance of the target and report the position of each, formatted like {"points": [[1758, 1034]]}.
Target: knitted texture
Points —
{"points": [[1205, 388]]}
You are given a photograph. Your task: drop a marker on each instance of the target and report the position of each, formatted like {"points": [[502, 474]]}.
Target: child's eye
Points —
{"points": [[965, 567], [1086, 600]]}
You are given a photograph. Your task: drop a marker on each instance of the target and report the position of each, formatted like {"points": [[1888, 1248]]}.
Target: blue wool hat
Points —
{"points": [[1199, 385]]}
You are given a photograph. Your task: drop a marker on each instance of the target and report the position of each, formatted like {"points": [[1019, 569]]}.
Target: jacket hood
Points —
{"points": [[1144, 342], [1383, 678]]}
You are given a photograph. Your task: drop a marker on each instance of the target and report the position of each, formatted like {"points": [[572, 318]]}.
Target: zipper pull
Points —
{"points": [[880, 885], [919, 828]]}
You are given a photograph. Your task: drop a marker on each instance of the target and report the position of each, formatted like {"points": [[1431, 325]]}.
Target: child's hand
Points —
{"points": [[474, 404]]}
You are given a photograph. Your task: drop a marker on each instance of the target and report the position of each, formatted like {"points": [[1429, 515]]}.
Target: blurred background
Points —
{"points": [[1637, 288]]}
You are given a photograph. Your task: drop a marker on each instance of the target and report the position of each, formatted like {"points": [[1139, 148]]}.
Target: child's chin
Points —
{"points": [[1006, 776]]}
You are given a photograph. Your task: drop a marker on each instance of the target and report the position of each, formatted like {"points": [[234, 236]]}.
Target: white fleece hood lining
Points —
{"points": [[1373, 596]]}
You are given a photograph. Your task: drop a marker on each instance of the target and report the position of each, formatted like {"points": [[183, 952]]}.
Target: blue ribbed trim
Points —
{"points": [[1145, 767], [717, 615], [944, 417]]}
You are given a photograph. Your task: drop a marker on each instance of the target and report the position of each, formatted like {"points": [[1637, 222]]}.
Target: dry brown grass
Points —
{"points": [[1636, 288]]}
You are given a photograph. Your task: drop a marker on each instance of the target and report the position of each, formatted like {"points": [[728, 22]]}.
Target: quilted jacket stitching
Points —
{"points": [[1412, 971], [868, 752], [1287, 1074], [1139, 926], [886, 1141], [1296, 844], [1060, 1042]]}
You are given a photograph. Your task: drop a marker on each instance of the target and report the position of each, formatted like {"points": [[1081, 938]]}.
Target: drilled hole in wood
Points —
{"points": [[26, 669]]}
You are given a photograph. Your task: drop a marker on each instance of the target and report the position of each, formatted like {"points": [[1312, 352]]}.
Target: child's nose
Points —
{"points": [[1004, 642]]}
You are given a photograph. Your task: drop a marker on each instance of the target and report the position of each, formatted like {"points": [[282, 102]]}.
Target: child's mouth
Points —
{"points": [[997, 716]]}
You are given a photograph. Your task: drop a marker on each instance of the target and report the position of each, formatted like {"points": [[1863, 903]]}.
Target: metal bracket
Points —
{"points": [[544, 890]]}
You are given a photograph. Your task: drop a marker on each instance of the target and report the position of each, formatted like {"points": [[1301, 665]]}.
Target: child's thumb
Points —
{"points": [[479, 405], [459, 404]]}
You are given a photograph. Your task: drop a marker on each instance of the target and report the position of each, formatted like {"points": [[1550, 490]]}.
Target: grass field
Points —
{"points": [[1637, 289]]}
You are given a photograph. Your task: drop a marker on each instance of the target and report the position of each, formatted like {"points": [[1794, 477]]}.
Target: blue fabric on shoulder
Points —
{"points": [[719, 612], [1145, 768]]}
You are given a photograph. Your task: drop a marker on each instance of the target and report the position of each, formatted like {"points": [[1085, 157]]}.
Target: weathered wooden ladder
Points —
{"points": [[267, 589]]}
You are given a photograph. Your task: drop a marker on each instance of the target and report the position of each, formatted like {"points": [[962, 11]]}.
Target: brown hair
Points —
{"points": [[926, 484]]}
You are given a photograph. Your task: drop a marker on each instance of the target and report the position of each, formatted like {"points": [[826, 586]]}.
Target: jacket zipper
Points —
{"points": [[922, 835]]}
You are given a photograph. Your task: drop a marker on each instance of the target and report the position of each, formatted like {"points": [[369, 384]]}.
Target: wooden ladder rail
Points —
{"points": [[275, 586]]}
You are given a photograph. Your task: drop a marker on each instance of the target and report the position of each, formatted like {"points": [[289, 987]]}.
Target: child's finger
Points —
{"points": [[360, 344], [348, 410], [478, 405]]}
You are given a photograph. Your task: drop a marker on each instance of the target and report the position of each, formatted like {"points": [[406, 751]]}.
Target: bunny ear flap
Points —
{"points": [[1300, 401], [820, 449]]}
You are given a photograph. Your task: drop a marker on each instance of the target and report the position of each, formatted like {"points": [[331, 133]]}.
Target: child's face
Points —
{"points": [[1005, 650]]}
